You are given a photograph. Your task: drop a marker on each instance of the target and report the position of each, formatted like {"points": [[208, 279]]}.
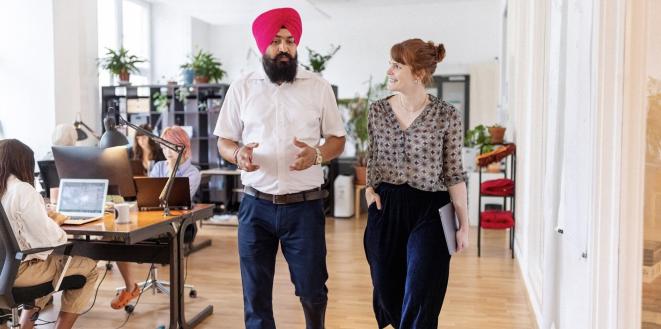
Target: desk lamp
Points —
{"points": [[112, 137], [82, 135]]}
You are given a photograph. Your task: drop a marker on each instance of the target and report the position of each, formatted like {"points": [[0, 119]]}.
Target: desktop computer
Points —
{"points": [[92, 162]]}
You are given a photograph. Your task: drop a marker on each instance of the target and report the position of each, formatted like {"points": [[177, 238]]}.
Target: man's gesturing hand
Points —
{"points": [[305, 158], [244, 157]]}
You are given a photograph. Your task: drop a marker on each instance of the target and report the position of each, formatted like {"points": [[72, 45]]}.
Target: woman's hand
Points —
{"points": [[371, 196], [462, 238], [57, 217]]}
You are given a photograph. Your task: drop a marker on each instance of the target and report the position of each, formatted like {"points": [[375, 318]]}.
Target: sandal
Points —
{"points": [[124, 297]]}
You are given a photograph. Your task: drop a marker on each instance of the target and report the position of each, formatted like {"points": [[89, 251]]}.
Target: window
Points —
{"points": [[125, 23]]}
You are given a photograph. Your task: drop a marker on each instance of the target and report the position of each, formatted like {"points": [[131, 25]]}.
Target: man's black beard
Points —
{"points": [[280, 71]]}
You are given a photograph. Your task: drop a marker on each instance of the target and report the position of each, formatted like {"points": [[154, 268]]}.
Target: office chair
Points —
{"points": [[12, 298]]}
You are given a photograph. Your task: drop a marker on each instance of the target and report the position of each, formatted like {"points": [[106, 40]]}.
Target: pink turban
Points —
{"points": [[267, 25]]}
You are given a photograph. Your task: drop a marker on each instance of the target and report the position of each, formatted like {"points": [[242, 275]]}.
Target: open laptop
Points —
{"points": [[149, 188], [82, 200]]}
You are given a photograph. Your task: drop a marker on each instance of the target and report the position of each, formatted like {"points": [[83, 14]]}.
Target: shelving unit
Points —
{"points": [[500, 219], [198, 108]]}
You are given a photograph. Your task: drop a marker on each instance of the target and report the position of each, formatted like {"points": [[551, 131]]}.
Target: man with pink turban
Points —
{"points": [[270, 126]]}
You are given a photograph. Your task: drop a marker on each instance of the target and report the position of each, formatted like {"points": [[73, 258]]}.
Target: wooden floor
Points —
{"points": [[485, 292]]}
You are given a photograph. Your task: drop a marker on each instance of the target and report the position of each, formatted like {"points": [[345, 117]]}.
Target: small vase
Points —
{"points": [[199, 79], [188, 76], [497, 134], [361, 175], [124, 77]]}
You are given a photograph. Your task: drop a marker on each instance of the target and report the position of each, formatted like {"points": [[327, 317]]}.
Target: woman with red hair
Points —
{"points": [[179, 136]]}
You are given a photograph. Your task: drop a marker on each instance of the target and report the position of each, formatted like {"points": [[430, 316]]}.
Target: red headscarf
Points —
{"points": [[266, 25]]}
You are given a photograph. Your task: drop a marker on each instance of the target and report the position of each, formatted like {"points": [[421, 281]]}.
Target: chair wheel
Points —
{"points": [[129, 308], [109, 266], [193, 293]]}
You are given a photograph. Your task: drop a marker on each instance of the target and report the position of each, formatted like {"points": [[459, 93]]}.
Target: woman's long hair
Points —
{"points": [[16, 159], [153, 147]]}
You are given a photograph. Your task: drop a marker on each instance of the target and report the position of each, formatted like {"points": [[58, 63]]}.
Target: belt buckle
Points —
{"points": [[279, 199]]}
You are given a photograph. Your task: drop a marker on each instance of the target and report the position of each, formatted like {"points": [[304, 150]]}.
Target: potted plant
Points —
{"points": [[205, 66], [318, 61], [356, 125], [497, 133], [474, 141], [120, 63], [160, 101], [358, 108]]}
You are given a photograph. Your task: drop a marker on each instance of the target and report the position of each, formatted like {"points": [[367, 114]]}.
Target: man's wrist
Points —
{"points": [[319, 159], [236, 155]]}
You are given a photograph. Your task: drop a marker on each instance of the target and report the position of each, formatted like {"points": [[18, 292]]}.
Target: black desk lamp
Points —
{"points": [[79, 125], [112, 137]]}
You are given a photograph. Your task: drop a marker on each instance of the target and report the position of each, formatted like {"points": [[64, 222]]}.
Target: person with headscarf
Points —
{"points": [[270, 126]]}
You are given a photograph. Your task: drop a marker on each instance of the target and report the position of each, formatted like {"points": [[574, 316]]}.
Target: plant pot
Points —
{"points": [[361, 175], [188, 76], [497, 134], [124, 77], [201, 79]]}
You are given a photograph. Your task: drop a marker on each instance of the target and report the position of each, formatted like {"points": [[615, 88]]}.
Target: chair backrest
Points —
{"points": [[9, 264]]}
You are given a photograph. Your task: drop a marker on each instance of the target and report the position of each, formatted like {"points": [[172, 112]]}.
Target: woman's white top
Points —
{"points": [[27, 215]]}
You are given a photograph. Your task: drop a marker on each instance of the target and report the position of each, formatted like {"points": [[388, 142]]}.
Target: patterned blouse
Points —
{"points": [[427, 155]]}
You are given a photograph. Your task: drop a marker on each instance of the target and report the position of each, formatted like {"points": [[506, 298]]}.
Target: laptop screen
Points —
{"points": [[82, 196]]}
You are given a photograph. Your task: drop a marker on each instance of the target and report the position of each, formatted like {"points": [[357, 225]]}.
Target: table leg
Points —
{"points": [[175, 300], [179, 292]]}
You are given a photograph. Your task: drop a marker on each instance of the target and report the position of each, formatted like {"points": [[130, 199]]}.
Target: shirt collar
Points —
{"points": [[301, 73]]}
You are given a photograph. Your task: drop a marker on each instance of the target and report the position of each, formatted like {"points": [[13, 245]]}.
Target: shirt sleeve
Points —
{"points": [[229, 125], [373, 177], [453, 169], [331, 119], [194, 178], [39, 227]]}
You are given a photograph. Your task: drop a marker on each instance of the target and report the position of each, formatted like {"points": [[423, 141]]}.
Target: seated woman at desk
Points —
{"points": [[35, 227], [146, 150], [176, 135]]}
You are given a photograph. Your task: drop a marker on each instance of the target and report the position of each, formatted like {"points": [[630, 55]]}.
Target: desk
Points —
{"points": [[230, 188], [129, 244]]}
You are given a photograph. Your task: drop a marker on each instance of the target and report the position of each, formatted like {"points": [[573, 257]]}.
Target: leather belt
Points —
{"points": [[309, 195]]}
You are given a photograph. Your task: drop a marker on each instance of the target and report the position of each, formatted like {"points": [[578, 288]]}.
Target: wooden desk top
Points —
{"points": [[143, 223], [220, 171]]}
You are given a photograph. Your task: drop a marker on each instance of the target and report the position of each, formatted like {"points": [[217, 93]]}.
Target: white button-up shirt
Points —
{"points": [[29, 220], [255, 110]]}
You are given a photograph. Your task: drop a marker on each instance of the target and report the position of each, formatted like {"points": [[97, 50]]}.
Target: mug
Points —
{"points": [[122, 211]]}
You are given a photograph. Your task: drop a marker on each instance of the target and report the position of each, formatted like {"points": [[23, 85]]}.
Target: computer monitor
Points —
{"points": [[48, 175], [93, 162]]}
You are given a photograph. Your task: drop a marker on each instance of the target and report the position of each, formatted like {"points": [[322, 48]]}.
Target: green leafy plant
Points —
{"points": [[183, 92], [478, 137], [356, 125], [120, 62], [206, 67], [160, 101], [318, 61]]}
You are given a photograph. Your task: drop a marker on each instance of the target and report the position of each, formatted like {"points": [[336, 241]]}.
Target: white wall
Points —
{"points": [[554, 53], [171, 41], [470, 31], [654, 40], [27, 110], [51, 75], [75, 50]]}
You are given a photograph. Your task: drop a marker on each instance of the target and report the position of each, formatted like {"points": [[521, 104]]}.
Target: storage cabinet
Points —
{"points": [[501, 218], [194, 107]]}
